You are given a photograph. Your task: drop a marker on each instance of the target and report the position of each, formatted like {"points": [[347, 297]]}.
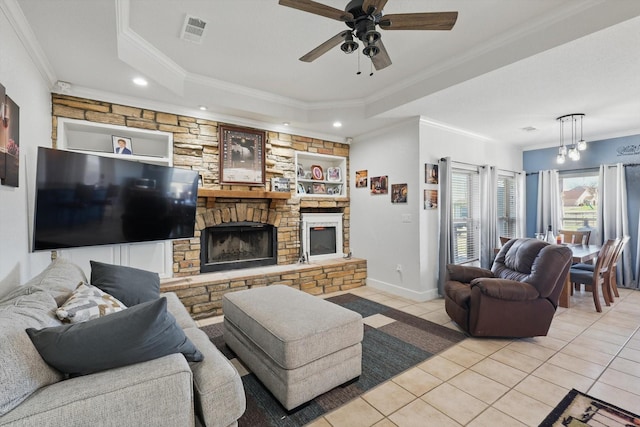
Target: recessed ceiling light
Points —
{"points": [[337, 124], [140, 81], [203, 107], [285, 123]]}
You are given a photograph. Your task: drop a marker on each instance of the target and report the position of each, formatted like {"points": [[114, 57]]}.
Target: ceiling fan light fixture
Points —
{"points": [[370, 51], [349, 46], [371, 36]]}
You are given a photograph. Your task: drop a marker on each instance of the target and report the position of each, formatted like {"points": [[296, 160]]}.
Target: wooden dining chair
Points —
{"points": [[598, 278], [612, 269], [504, 240], [575, 237]]}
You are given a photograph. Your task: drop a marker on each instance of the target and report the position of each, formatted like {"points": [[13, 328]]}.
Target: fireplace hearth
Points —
{"points": [[236, 245]]}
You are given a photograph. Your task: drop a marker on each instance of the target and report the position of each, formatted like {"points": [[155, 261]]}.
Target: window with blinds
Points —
{"points": [[465, 202], [507, 200]]}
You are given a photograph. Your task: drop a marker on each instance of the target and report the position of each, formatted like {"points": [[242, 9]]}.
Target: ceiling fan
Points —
{"points": [[362, 17]]}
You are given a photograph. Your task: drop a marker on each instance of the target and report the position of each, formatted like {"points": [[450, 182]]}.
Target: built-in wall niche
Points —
{"points": [[98, 138], [322, 236], [320, 175], [148, 146]]}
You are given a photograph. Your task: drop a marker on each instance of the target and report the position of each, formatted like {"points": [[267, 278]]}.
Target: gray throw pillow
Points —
{"points": [[127, 284], [140, 333]]}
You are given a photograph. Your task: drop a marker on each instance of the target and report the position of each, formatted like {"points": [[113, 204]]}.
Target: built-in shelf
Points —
{"points": [[242, 194], [320, 176]]}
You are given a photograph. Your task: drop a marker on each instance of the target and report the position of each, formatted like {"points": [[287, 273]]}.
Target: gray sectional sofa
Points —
{"points": [[166, 391]]}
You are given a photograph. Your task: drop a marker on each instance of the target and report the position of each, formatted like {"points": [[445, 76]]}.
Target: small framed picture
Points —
{"points": [[300, 171], [379, 184], [430, 173], [317, 173], [301, 189], [430, 199], [319, 188], [122, 145], [399, 193], [361, 179], [334, 174]]}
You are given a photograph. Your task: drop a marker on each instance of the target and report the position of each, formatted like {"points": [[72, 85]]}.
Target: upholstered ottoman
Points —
{"points": [[298, 345]]}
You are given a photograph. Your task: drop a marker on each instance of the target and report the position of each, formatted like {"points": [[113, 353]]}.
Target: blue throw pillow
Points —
{"points": [[144, 332], [127, 284]]}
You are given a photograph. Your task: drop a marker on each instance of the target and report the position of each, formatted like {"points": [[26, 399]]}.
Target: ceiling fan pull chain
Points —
{"points": [[371, 73], [358, 73]]}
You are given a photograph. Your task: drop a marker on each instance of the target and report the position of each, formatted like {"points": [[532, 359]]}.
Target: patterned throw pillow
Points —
{"points": [[88, 302]]}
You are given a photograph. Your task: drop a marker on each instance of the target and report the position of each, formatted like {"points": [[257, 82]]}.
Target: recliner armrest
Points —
{"points": [[505, 289], [466, 274]]}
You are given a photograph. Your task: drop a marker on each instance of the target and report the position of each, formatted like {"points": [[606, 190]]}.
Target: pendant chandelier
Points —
{"points": [[573, 148]]}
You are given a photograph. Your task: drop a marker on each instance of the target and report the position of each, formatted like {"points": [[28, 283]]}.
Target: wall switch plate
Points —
{"points": [[399, 267]]}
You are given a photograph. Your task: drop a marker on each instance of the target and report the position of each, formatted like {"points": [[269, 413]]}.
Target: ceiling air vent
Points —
{"points": [[193, 29]]}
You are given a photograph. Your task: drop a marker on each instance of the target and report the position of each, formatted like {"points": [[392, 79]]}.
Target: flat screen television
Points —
{"points": [[87, 200]]}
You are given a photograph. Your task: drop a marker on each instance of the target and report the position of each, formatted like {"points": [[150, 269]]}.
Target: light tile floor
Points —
{"points": [[506, 382]]}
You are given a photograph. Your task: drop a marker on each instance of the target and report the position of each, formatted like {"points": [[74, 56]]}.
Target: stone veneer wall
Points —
{"points": [[195, 146]]}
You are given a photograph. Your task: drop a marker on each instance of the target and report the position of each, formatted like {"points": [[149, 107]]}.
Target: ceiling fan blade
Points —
{"points": [[381, 60], [419, 21], [325, 47], [373, 6], [318, 9]]}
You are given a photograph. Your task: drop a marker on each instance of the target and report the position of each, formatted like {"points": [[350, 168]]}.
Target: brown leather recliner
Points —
{"points": [[516, 298]]}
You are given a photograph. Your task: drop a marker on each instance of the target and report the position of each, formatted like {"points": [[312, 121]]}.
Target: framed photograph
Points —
{"points": [[335, 190], [361, 179], [430, 173], [241, 156], [399, 193], [300, 171], [379, 184], [280, 184], [431, 199], [317, 173], [11, 131], [334, 174], [319, 188], [301, 189], [3, 135], [122, 145]]}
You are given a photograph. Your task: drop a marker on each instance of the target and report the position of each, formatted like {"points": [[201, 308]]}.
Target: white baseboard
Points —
{"points": [[419, 296]]}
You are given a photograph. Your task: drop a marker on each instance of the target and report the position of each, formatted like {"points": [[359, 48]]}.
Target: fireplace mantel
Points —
{"points": [[211, 193]]}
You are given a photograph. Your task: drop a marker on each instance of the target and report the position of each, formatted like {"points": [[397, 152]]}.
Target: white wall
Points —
{"points": [[30, 91], [378, 232]]}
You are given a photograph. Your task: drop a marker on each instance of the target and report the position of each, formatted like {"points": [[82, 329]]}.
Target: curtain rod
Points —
{"points": [[479, 166], [587, 169]]}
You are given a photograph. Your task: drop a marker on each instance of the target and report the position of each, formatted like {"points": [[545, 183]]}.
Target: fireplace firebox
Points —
{"points": [[237, 245]]}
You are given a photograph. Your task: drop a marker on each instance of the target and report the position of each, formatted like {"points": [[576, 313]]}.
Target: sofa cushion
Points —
{"points": [[140, 333], [130, 285], [88, 302], [23, 371], [60, 278]]}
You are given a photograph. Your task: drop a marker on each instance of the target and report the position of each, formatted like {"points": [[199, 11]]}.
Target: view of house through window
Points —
{"points": [[579, 200], [465, 202]]}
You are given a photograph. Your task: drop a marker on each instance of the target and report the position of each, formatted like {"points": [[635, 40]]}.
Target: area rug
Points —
{"points": [[399, 342], [578, 409]]}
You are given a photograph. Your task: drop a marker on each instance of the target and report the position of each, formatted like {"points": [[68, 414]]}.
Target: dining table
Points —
{"points": [[581, 254]]}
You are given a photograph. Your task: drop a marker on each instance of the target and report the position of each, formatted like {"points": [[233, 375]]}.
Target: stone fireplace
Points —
{"points": [[237, 245]]}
